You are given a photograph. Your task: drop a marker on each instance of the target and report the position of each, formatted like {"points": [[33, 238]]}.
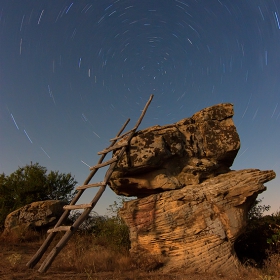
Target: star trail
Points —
{"points": [[72, 72]]}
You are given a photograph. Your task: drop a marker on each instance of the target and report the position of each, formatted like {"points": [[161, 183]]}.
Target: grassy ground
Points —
{"points": [[87, 258]]}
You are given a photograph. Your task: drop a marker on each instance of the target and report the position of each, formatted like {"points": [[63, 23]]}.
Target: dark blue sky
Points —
{"points": [[72, 72]]}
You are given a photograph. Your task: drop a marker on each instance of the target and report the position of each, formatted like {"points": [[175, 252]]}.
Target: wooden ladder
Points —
{"points": [[70, 230]]}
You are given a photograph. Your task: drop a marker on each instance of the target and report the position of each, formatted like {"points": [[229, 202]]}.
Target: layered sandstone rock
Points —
{"points": [[36, 215], [194, 228], [191, 207]]}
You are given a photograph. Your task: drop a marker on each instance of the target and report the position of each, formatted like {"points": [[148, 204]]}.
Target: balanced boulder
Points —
{"points": [[162, 158], [190, 205]]}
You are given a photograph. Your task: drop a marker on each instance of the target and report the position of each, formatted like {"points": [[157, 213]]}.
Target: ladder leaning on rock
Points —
{"points": [[70, 230]]}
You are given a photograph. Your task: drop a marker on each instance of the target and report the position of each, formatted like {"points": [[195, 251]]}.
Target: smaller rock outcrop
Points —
{"points": [[37, 215]]}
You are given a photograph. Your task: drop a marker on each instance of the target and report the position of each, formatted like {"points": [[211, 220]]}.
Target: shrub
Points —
{"points": [[32, 183], [261, 238], [108, 231]]}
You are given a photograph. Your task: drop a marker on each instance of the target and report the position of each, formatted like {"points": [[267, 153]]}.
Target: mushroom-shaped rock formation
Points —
{"points": [[191, 207]]}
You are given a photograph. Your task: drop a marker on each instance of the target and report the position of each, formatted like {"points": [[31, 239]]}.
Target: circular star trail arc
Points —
{"points": [[73, 71]]}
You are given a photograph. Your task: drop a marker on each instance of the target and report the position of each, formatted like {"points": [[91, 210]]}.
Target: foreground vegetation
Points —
{"points": [[32, 183], [86, 258], [100, 250]]}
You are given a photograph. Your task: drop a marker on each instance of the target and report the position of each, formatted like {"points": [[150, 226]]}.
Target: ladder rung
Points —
{"points": [[83, 187], [61, 228], [78, 206], [121, 136], [116, 146], [104, 163]]}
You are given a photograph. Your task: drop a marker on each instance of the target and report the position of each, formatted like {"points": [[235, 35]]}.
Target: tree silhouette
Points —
{"points": [[32, 183]]}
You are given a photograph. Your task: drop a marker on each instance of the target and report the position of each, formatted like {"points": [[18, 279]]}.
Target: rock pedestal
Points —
{"points": [[191, 207], [194, 228]]}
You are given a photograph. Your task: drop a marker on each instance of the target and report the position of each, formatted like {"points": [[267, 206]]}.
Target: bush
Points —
{"points": [[108, 231], [261, 238], [32, 183]]}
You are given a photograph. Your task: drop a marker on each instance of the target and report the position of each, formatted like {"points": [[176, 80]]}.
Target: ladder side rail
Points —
{"points": [[103, 156], [137, 124], [38, 255], [123, 149], [143, 112], [55, 251]]}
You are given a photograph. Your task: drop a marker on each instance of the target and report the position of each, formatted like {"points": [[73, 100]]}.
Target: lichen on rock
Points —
{"points": [[39, 215], [162, 158]]}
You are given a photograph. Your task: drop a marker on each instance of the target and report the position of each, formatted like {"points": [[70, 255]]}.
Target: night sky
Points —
{"points": [[72, 72]]}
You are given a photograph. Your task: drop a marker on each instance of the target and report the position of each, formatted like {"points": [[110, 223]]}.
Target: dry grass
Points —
{"points": [[19, 235], [82, 254], [272, 267], [88, 258]]}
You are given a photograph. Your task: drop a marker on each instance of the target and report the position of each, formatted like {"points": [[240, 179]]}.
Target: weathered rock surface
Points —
{"points": [[194, 228], [191, 207], [37, 215], [162, 158]]}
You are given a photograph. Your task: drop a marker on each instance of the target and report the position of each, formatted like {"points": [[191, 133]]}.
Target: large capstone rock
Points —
{"points": [[39, 215], [194, 228], [170, 157]]}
